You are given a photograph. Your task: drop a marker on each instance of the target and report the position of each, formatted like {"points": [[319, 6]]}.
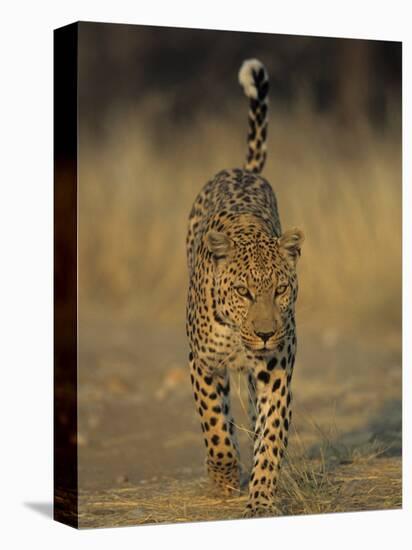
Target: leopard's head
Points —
{"points": [[255, 284]]}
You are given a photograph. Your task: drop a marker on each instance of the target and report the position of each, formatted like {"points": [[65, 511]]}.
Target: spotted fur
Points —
{"points": [[241, 311]]}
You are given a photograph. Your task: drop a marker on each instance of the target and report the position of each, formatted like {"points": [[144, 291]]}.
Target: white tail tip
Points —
{"points": [[246, 78]]}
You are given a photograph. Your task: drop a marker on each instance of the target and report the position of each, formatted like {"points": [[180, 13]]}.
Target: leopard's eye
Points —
{"points": [[281, 289], [243, 291]]}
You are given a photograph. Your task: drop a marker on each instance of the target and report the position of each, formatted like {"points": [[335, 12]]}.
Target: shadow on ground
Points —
{"points": [[381, 436], [42, 508]]}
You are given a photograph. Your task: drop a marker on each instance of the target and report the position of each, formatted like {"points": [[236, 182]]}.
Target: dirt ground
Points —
{"points": [[141, 456]]}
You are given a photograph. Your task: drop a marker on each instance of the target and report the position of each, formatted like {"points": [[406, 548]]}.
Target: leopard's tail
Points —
{"points": [[255, 82]]}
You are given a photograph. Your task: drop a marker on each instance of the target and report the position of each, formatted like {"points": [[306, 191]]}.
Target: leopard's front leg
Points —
{"points": [[212, 396], [271, 431]]}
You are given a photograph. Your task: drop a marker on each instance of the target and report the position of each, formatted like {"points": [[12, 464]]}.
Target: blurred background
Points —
{"points": [[160, 112]]}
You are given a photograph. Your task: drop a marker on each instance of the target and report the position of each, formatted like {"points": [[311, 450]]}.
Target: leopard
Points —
{"points": [[240, 313]]}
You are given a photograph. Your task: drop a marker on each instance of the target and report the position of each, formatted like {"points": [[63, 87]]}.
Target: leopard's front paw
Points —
{"points": [[226, 478]]}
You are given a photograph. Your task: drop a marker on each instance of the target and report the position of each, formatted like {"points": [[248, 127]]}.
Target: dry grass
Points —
{"points": [[341, 185], [341, 478], [306, 487]]}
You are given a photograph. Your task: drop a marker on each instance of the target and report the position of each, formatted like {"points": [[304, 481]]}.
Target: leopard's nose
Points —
{"points": [[264, 335]]}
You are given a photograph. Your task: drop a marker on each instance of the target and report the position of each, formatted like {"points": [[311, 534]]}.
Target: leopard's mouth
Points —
{"points": [[263, 349]]}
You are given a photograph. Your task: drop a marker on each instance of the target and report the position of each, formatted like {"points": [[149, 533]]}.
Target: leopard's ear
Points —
{"points": [[219, 244], [290, 244]]}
